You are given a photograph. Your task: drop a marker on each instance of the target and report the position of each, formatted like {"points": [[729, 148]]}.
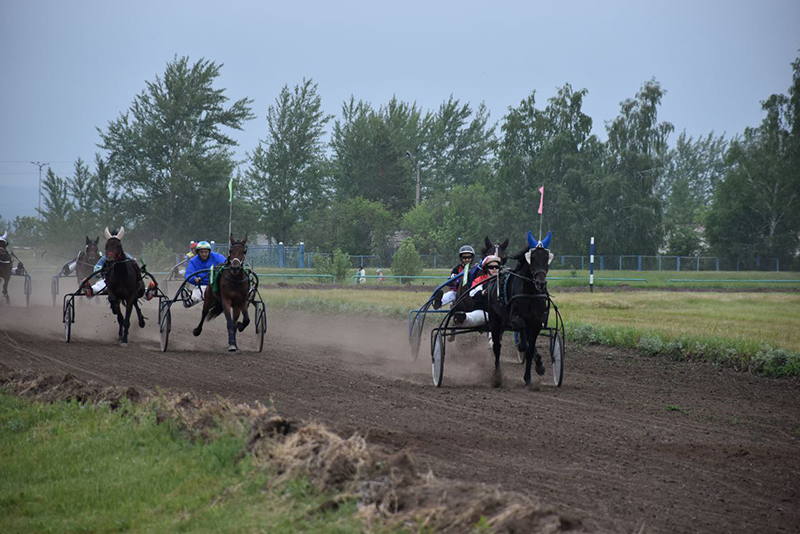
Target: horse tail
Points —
{"points": [[214, 309]]}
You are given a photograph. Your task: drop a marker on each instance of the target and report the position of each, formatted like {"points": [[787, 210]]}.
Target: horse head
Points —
{"points": [[114, 250], [538, 259], [92, 253], [495, 249], [236, 254]]}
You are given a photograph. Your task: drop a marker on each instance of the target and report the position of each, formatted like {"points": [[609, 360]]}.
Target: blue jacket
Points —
{"points": [[99, 264], [197, 264]]}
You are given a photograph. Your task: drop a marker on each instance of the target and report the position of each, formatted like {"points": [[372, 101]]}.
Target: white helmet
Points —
{"points": [[466, 249]]}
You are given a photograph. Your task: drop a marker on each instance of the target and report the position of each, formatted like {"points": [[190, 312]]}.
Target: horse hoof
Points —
{"points": [[497, 379], [240, 327], [124, 344], [539, 368], [196, 332], [141, 324], [233, 348]]}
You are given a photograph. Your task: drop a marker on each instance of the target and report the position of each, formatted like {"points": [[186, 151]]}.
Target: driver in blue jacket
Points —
{"points": [[204, 260]]}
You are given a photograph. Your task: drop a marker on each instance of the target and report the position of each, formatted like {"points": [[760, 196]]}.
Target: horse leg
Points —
{"points": [[127, 322], [246, 320], [139, 313], [497, 340], [196, 331], [226, 308], [5, 289]]}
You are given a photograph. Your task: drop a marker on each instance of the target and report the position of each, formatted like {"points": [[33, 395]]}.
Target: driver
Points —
{"points": [[477, 317], [100, 285], [466, 254], [204, 260]]}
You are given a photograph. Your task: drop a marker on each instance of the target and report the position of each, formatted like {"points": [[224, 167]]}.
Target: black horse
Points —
{"points": [[124, 282], [520, 304], [230, 294], [6, 263]]}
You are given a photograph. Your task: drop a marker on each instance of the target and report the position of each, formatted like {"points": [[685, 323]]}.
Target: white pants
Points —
{"points": [[448, 297], [475, 318], [99, 286], [197, 294]]}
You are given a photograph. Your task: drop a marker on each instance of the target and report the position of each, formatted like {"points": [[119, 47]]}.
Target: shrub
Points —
{"points": [[776, 362], [157, 256], [407, 261], [651, 345], [338, 264]]}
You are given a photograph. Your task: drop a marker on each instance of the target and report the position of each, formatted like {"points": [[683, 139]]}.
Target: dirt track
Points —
{"points": [[628, 443]]}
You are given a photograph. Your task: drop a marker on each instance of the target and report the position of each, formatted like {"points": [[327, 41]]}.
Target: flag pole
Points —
{"points": [[541, 211], [230, 206]]}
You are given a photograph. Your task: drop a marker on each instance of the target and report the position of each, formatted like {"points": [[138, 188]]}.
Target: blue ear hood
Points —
{"points": [[546, 240], [532, 242]]}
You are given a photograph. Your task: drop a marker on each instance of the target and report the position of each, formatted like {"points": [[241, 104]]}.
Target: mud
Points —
{"points": [[628, 444]]}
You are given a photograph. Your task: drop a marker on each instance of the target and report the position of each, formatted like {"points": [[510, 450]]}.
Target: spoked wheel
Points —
{"points": [[54, 289], [165, 327], [68, 318], [437, 358], [28, 291], [557, 357], [415, 334], [261, 325]]}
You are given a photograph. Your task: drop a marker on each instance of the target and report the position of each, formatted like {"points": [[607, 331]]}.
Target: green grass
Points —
{"points": [[72, 467], [755, 331]]}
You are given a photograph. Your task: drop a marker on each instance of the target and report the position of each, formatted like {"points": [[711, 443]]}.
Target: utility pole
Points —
{"points": [[416, 163], [40, 165]]}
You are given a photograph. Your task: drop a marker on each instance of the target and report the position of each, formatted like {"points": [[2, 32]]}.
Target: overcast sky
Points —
{"points": [[68, 67]]}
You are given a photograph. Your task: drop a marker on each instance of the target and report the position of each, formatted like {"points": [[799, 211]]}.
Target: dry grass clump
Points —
{"points": [[51, 388], [389, 489]]}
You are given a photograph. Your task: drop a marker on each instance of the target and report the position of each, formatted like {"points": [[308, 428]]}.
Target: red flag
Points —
{"points": [[541, 199]]}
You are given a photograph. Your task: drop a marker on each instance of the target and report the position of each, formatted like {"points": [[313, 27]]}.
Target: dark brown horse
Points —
{"points": [[229, 294], [6, 263], [495, 249], [124, 282], [87, 259]]}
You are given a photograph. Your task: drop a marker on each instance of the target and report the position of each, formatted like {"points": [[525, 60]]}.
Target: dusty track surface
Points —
{"points": [[629, 443]]}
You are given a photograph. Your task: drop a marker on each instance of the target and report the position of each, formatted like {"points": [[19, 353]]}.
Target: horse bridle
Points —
{"points": [[237, 265]]}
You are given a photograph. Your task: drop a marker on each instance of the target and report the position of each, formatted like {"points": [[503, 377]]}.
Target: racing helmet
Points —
{"points": [[489, 260], [203, 245], [192, 245], [466, 249]]}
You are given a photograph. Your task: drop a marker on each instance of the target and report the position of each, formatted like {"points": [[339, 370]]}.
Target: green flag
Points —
{"points": [[230, 190]]}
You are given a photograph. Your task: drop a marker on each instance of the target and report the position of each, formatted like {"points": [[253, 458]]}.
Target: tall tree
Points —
{"points": [[755, 209], [289, 170], [626, 202], [170, 153], [57, 212], [458, 145]]}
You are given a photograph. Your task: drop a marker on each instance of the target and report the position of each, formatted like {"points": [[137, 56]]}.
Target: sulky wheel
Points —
{"points": [[164, 328], [68, 317], [437, 358], [557, 357], [415, 335], [261, 325]]}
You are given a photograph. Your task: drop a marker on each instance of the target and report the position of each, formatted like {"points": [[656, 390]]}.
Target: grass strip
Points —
{"points": [[73, 467], [759, 332]]}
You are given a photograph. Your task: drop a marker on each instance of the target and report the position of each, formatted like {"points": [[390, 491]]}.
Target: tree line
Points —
{"points": [[348, 181]]}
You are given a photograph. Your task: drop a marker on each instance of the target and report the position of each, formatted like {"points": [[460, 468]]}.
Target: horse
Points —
{"points": [[87, 259], [229, 294], [495, 249], [124, 282], [6, 263], [520, 304]]}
